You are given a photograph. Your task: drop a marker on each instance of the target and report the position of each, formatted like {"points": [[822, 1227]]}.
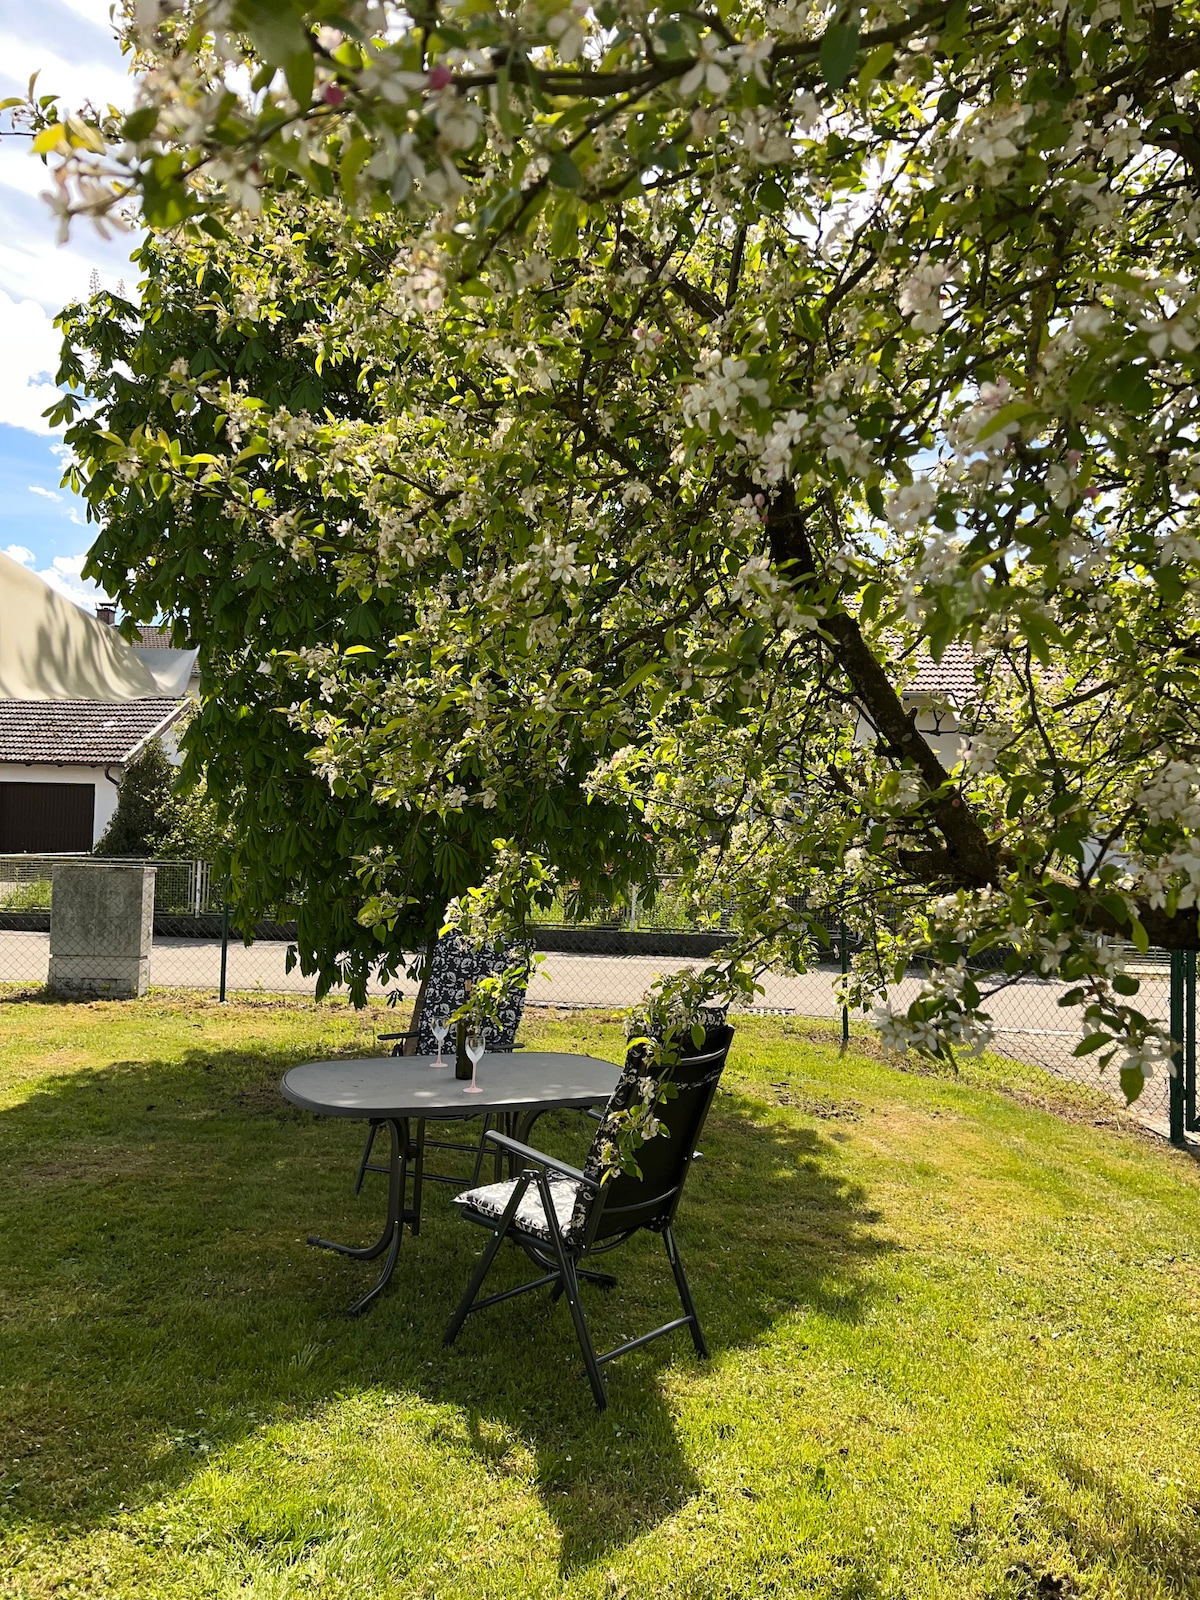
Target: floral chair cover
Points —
{"points": [[453, 964]]}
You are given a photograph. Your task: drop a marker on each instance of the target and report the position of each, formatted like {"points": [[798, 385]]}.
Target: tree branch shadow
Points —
{"points": [[162, 1306]]}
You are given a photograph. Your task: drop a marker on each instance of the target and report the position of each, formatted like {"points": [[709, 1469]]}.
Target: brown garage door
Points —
{"points": [[46, 816]]}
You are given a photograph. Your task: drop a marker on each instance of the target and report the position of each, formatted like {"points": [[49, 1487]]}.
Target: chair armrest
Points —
{"points": [[411, 1034], [527, 1153]]}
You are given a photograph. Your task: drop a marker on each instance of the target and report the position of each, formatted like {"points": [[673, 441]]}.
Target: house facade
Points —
{"points": [[77, 704]]}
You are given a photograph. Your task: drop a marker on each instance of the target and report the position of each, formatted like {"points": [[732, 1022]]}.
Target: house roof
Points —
{"points": [[52, 650], [152, 637], [952, 678], [87, 733]]}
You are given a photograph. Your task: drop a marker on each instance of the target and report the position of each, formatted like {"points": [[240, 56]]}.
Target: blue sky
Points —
{"points": [[71, 44]]}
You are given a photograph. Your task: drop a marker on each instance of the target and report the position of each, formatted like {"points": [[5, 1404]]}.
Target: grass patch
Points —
{"points": [[952, 1342]]}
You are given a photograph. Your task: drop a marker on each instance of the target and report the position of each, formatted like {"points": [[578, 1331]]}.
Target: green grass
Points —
{"points": [[26, 896], [954, 1343]]}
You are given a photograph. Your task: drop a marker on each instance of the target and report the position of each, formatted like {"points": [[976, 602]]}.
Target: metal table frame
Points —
{"points": [[406, 1154]]}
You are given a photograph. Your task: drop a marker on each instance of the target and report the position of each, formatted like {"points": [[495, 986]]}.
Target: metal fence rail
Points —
{"points": [[181, 888], [609, 966]]}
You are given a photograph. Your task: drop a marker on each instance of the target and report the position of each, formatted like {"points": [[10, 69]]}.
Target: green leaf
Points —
{"points": [[1093, 1042], [879, 58], [872, 596], [839, 46], [1139, 935], [1132, 1084], [1013, 412], [353, 156], [563, 173], [275, 27], [299, 72], [637, 677], [139, 124], [564, 234], [1125, 983], [1130, 389]]}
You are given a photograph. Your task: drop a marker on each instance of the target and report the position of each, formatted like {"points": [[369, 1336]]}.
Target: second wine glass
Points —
{"points": [[476, 1047]]}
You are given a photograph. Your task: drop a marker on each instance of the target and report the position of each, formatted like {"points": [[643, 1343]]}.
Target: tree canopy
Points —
{"points": [[156, 817], [703, 370], [205, 524]]}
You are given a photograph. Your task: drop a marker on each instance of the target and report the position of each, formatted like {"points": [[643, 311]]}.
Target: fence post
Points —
{"points": [[224, 938], [845, 955], [1177, 1033], [1189, 1040]]}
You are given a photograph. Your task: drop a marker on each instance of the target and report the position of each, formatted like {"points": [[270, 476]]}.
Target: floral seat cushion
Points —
{"points": [[492, 1198]]}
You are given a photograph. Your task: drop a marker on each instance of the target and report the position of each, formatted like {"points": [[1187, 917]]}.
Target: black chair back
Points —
{"points": [[626, 1202], [453, 964]]}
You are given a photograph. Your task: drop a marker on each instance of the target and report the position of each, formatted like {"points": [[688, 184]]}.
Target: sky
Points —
{"points": [[71, 44]]}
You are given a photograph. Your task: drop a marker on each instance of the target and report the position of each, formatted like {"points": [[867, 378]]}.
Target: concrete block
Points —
{"points": [[101, 928]]}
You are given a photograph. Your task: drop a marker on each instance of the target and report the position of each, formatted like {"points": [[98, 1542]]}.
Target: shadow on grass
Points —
{"points": [[161, 1305]]}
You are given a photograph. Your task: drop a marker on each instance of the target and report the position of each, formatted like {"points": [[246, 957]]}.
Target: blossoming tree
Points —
{"points": [[710, 369]]}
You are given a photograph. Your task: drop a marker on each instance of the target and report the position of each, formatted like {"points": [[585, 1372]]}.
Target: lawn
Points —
{"points": [[953, 1342]]}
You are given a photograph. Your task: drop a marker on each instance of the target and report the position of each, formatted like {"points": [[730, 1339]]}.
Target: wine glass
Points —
{"points": [[476, 1046], [439, 1030]]}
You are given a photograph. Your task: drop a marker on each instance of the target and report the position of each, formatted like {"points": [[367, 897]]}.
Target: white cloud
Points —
{"points": [[100, 79], [32, 265], [63, 574], [18, 552], [48, 494], [30, 345], [97, 11]]}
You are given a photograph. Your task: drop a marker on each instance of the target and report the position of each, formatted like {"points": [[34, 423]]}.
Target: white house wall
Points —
{"points": [[938, 728]]}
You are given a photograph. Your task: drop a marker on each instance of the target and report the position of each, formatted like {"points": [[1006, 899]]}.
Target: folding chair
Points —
{"points": [[562, 1217], [452, 965]]}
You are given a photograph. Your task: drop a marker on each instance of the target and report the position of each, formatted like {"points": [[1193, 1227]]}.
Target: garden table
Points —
{"points": [[391, 1091]]}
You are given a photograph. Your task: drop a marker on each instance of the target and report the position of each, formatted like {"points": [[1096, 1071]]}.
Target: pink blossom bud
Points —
{"points": [[1073, 457], [440, 77], [333, 94]]}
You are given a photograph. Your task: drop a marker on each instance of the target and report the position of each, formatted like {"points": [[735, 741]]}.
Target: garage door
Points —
{"points": [[46, 816]]}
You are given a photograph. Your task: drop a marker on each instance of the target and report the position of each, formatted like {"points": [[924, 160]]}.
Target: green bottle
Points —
{"points": [[462, 1061]]}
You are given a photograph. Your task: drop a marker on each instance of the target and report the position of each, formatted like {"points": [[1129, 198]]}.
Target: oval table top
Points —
{"points": [[411, 1086]]}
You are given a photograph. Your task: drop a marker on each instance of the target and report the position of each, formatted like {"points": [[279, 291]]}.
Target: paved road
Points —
{"points": [[1030, 1025]]}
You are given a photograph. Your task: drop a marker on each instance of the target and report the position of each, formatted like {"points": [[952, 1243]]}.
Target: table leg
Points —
{"points": [[418, 1175], [393, 1231]]}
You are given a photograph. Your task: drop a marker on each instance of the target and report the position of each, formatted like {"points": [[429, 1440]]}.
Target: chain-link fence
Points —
{"points": [[608, 965]]}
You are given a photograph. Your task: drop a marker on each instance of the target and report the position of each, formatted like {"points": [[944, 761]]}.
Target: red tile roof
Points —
{"points": [[952, 678], [89, 733], [155, 638]]}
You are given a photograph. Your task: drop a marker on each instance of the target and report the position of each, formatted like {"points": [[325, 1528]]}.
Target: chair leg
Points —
{"points": [[685, 1294], [583, 1334], [463, 1309], [570, 1283], [479, 1154], [366, 1156]]}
